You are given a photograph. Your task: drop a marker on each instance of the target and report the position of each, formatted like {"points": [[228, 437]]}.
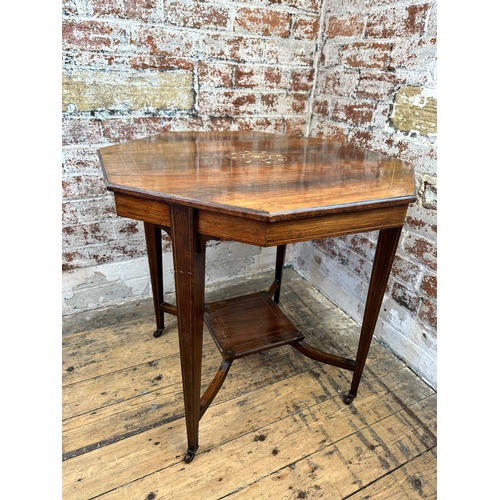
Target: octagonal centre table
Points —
{"points": [[259, 189]]}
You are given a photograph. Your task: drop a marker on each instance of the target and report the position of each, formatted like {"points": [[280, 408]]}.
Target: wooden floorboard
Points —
{"points": [[277, 429]]}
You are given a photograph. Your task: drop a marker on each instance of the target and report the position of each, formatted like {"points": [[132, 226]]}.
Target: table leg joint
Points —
{"points": [[214, 387], [324, 357]]}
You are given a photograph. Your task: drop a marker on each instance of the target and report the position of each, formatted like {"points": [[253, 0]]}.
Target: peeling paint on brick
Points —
{"points": [[263, 21], [351, 25], [427, 192], [368, 55], [415, 109], [409, 300], [397, 22], [197, 15], [89, 90], [305, 27]]}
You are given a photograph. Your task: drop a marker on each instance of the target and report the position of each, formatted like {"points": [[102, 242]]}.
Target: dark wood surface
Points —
{"points": [[257, 175], [262, 189], [233, 323]]}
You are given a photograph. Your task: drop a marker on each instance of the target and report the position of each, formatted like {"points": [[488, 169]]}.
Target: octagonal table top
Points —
{"points": [[257, 175]]}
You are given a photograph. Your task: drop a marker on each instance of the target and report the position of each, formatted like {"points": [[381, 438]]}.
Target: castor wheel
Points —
{"points": [[349, 398], [188, 458], [158, 332]]}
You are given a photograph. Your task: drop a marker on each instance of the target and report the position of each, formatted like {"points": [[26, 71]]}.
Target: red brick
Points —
{"points": [[197, 15], [375, 85], [266, 124], [429, 286], [220, 124], [308, 5], [86, 234], [230, 48], [404, 297], [142, 10], [69, 214], [69, 8], [94, 59], [215, 75], [160, 62], [83, 186], [263, 77], [328, 130], [345, 26], [127, 129], [374, 141], [321, 107], [96, 209], [80, 131], [263, 21], [287, 104], [81, 161], [342, 83], [116, 252], [74, 259], [226, 103], [428, 313], [362, 138], [406, 271], [422, 221], [106, 8], [423, 156], [245, 77], [163, 41], [422, 250], [345, 257], [360, 244], [402, 21], [88, 35], [186, 123], [352, 111], [302, 79], [368, 55], [126, 228], [332, 248], [295, 126], [305, 27]]}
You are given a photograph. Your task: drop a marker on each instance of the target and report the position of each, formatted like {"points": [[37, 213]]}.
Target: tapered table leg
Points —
{"points": [[155, 258], [384, 256], [189, 267], [278, 273]]}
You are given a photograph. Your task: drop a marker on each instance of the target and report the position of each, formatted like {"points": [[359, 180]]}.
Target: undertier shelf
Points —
{"points": [[249, 324]]}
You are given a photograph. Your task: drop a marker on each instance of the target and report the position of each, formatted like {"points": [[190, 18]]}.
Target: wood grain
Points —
{"points": [[262, 189], [196, 169], [277, 429]]}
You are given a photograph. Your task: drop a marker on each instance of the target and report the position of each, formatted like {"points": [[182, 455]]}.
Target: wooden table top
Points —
{"points": [[257, 175]]}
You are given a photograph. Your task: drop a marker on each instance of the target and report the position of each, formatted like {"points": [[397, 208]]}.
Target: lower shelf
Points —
{"points": [[249, 324]]}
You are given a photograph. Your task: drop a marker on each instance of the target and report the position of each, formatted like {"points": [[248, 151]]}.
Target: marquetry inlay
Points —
{"points": [[258, 157]]}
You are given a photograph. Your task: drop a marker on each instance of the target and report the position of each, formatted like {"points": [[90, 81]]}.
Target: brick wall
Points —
{"points": [[376, 88], [358, 70], [135, 68]]}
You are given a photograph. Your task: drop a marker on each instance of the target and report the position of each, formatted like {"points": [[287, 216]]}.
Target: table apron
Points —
{"points": [[269, 234], [262, 233]]}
